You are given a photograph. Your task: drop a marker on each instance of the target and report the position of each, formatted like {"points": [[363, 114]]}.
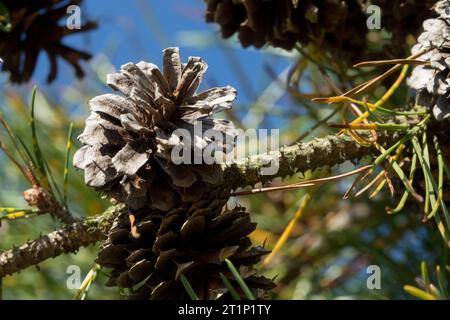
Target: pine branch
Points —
{"points": [[300, 157], [48, 203], [66, 240]]}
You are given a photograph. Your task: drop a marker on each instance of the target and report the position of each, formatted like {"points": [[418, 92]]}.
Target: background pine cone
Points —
{"points": [[432, 80], [281, 24], [128, 141], [336, 26], [37, 26], [150, 253]]}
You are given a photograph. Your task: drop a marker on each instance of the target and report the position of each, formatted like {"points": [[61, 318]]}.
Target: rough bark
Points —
{"points": [[66, 240], [300, 157]]}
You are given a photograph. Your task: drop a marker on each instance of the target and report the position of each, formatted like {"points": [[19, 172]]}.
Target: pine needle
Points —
{"points": [[304, 184], [290, 228], [239, 280], [66, 165], [35, 142], [418, 293], [441, 282], [405, 195], [375, 63], [401, 174], [425, 277], [371, 83], [83, 291], [230, 287], [187, 286], [429, 180]]}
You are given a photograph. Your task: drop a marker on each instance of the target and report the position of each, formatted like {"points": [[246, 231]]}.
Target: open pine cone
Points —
{"points": [[148, 250], [37, 26], [128, 140], [432, 81]]}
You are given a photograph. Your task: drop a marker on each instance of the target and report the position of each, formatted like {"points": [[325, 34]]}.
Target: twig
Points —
{"points": [[66, 240]]}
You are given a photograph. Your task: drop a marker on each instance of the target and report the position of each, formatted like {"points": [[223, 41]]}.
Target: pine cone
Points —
{"points": [[148, 250], [128, 141], [432, 81], [36, 26], [281, 24], [336, 26]]}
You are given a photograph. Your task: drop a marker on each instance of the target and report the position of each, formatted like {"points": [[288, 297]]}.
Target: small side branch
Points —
{"points": [[66, 240]]}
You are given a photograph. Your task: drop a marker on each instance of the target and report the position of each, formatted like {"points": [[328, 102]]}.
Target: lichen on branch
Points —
{"points": [[66, 240]]}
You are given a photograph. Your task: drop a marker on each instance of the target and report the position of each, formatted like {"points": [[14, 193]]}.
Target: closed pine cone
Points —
{"points": [[338, 27]]}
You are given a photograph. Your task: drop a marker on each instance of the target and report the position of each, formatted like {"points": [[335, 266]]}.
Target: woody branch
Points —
{"points": [[321, 152]]}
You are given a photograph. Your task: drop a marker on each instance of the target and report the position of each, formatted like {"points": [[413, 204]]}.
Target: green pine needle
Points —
{"points": [[401, 174], [31, 161], [429, 180], [425, 278], [239, 280], [230, 287], [441, 170], [12, 136], [419, 293], [46, 178], [66, 165], [83, 292], [410, 133], [35, 142], [187, 286], [441, 282], [406, 194]]}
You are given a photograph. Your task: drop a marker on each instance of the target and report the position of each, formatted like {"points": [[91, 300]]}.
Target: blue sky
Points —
{"points": [[139, 29]]}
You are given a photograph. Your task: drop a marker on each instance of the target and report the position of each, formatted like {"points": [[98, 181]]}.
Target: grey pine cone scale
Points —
{"points": [[128, 138], [432, 80]]}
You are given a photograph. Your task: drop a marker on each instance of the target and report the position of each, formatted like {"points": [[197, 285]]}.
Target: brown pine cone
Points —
{"points": [[335, 26], [148, 250]]}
